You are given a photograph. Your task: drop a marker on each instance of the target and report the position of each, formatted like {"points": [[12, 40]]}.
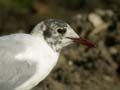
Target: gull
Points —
{"points": [[27, 59]]}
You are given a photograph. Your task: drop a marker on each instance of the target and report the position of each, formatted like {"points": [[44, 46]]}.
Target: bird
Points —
{"points": [[27, 59]]}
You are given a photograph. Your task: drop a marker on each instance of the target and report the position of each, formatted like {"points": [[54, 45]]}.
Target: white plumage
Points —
{"points": [[26, 59]]}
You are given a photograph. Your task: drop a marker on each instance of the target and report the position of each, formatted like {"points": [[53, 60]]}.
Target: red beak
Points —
{"points": [[82, 41]]}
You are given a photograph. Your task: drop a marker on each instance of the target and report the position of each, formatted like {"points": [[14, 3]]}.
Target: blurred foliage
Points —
{"points": [[60, 5], [16, 5], [71, 4]]}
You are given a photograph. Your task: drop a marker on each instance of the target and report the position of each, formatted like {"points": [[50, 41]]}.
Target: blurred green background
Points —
{"points": [[79, 68]]}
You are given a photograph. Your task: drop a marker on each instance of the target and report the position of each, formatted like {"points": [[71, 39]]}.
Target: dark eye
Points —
{"points": [[61, 31]]}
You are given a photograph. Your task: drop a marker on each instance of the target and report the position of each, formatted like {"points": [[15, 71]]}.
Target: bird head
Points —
{"points": [[58, 34]]}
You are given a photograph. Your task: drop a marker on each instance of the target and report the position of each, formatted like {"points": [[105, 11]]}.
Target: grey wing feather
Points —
{"points": [[12, 71]]}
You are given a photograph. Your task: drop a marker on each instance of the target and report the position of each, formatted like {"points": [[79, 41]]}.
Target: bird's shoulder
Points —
{"points": [[14, 71], [17, 45], [24, 45], [18, 40], [13, 38]]}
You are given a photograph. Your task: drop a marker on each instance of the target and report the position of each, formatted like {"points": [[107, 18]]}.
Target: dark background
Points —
{"points": [[79, 68]]}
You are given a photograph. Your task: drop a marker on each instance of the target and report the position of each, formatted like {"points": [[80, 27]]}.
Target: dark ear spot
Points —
{"points": [[47, 33]]}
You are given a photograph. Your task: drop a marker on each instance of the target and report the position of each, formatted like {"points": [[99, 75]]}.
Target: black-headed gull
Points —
{"points": [[26, 59]]}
